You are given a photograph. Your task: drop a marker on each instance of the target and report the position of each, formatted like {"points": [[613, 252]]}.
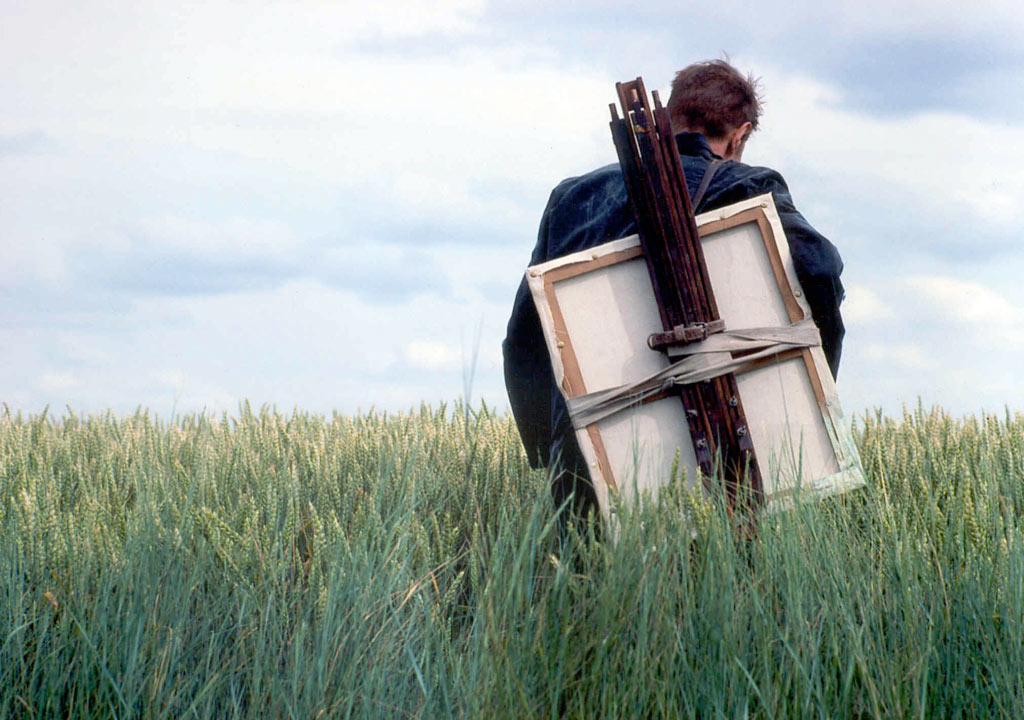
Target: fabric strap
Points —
{"points": [[709, 172], [699, 361]]}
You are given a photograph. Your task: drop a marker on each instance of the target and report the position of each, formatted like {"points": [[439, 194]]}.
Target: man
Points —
{"points": [[714, 109]]}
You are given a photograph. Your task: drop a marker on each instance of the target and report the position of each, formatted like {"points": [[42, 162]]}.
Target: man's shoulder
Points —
{"points": [[605, 183], [585, 211], [605, 180], [735, 172], [735, 181]]}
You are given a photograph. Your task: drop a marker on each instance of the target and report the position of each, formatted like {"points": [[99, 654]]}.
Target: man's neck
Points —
{"points": [[718, 147], [728, 147]]}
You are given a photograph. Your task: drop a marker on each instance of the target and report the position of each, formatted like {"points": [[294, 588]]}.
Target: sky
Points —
{"points": [[329, 206]]}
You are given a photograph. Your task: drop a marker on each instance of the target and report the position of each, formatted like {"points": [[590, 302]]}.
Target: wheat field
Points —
{"points": [[410, 565]]}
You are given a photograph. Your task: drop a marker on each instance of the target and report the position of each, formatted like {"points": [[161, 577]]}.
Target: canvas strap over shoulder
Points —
{"points": [[709, 173]]}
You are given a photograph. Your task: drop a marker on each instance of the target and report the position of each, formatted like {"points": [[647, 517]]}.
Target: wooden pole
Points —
{"points": [[656, 185]]}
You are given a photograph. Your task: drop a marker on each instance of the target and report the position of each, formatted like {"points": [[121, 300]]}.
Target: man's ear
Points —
{"points": [[737, 139]]}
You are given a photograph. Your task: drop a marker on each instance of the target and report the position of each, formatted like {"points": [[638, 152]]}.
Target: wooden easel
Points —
{"points": [[661, 205]]}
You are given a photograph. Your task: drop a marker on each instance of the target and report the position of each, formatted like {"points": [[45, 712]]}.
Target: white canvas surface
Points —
{"points": [[608, 313], [743, 280]]}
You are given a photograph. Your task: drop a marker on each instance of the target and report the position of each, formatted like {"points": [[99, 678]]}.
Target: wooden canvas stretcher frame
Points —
{"points": [[597, 308]]}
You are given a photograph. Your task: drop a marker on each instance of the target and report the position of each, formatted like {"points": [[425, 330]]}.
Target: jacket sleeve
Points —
{"points": [[528, 375], [528, 378], [818, 267]]}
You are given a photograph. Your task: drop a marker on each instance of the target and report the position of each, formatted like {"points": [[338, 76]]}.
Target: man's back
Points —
{"points": [[593, 209]]}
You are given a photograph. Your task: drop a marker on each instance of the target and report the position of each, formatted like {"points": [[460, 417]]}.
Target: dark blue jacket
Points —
{"points": [[593, 209]]}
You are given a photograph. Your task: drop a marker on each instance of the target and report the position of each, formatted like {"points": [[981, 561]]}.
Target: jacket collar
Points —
{"points": [[694, 144]]}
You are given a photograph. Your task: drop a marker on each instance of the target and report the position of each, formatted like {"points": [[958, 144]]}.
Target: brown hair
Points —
{"points": [[713, 98]]}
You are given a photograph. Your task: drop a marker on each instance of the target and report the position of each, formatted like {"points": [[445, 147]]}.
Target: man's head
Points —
{"points": [[714, 99]]}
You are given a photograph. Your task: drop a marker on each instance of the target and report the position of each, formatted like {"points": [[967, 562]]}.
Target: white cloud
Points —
{"points": [[906, 355], [475, 136], [174, 379], [428, 194], [278, 87], [433, 355], [966, 301], [907, 18], [57, 381], [925, 17], [863, 306], [405, 18], [949, 164], [302, 344], [407, 105], [33, 259], [985, 317], [81, 347], [841, 18], [231, 238]]}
